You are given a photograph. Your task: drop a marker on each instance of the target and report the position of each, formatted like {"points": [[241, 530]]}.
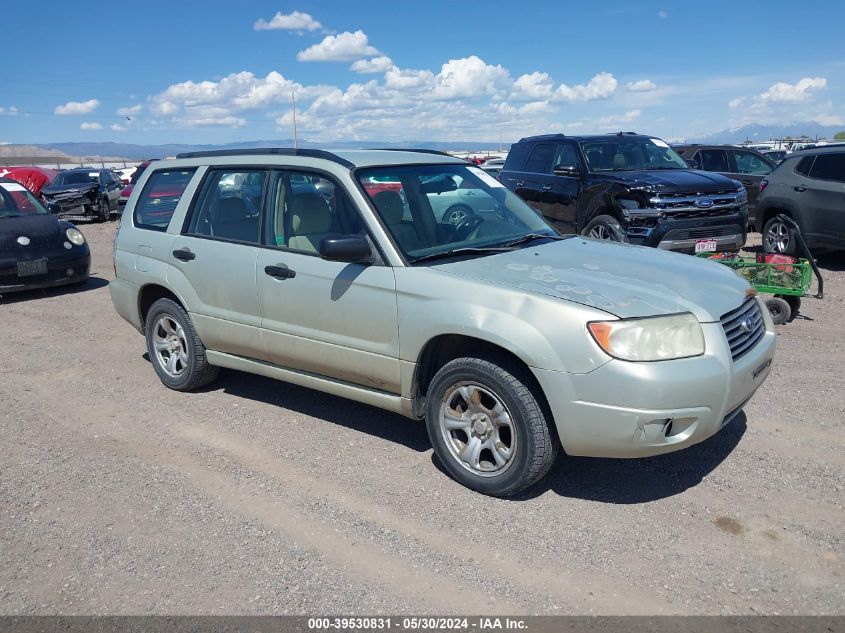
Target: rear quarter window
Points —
{"points": [[158, 200], [516, 157]]}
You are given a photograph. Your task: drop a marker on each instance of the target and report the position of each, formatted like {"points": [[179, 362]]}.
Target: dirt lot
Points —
{"points": [[253, 496]]}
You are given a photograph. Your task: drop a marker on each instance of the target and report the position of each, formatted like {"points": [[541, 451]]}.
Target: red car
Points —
{"points": [[127, 190], [33, 178]]}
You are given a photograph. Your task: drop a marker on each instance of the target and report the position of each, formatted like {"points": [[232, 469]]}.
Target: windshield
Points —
{"points": [[434, 209], [16, 201], [76, 177], [622, 153]]}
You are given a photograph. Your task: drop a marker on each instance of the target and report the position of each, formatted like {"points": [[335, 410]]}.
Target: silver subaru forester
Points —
{"points": [[415, 282]]}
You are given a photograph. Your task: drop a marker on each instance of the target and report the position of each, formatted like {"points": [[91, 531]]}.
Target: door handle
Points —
{"points": [[519, 183], [184, 255], [747, 182], [280, 271], [800, 188], [546, 187]]}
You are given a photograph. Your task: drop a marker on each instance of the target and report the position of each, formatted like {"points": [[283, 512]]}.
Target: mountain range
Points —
{"points": [[753, 132]]}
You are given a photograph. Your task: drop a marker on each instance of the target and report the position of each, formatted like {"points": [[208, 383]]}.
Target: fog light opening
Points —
{"points": [[69, 272]]}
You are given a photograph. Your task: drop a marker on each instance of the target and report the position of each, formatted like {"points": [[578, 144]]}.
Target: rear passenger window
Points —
{"points": [[803, 166], [714, 160], [159, 198], [829, 167], [540, 161], [229, 206]]}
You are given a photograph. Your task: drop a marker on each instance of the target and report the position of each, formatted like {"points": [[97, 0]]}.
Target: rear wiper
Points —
{"points": [[529, 237], [463, 251]]}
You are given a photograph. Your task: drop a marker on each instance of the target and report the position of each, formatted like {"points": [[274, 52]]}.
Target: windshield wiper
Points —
{"points": [[530, 237], [486, 250]]}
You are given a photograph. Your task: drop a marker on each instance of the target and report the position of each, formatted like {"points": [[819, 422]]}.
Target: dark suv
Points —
{"points": [[808, 186], [629, 188], [745, 165]]}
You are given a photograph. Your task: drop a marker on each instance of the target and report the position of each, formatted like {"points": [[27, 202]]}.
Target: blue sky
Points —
{"points": [[215, 72]]}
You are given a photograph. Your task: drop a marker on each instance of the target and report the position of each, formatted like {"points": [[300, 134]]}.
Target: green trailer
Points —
{"points": [[787, 281]]}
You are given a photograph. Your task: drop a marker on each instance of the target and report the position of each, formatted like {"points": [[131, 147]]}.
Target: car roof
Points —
{"points": [[347, 157], [819, 149], [587, 137]]}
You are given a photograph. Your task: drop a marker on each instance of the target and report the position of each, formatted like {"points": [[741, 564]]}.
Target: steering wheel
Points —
{"points": [[466, 226]]}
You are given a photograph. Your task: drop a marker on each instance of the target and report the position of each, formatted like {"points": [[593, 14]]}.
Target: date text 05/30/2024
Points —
{"points": [[415, 623]]}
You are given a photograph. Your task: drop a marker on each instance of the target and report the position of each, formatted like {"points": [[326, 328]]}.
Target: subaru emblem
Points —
{"points": [[745, 325], [704, 203], [23, 240]]}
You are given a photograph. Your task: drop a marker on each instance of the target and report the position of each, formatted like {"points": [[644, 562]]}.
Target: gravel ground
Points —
{"points": [[255, 497]]}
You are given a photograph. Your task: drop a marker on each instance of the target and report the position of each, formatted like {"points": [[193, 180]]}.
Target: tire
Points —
{"points": [[507, 456], [779, 237], [605, 227], [168, 324], [779, 309], [103, 210], [794, 303], [457, 213]]}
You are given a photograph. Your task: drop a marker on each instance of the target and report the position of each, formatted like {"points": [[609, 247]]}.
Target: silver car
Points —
{"points": [[510, 340]]}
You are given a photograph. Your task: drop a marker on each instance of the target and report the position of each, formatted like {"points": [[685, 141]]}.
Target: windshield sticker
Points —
{"points": [[93, 174], [659, 143], [486, 178], [12, 187]]}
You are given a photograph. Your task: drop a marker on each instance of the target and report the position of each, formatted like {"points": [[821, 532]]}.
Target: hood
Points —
{"points": [[42, 230], [75, 189], [622, 279], [689, 181]]}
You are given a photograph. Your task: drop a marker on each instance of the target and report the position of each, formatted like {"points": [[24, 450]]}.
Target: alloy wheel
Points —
{"points": [[778, 237], [171, 347]]}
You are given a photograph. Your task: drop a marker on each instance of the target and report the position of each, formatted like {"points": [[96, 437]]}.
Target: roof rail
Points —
{"points": [[418, 151], [543, 136], [274, 151]]}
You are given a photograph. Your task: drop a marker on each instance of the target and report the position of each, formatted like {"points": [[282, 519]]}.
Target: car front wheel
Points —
{"points": [[605, 227], [487, 427], [175, 350]]}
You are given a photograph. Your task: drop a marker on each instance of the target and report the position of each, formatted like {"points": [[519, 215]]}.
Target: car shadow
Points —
{"points": [[92, 283], [326, 407]]}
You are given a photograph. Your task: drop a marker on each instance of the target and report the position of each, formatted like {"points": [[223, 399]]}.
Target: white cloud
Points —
{"points": [[78, 107], [11, 111], [643, 85], [662, 14], [295, 21], [602, 86], [90, 126], [375, 65], [408, 79], [828, 119], [344, 47], [117, 127], [468, 77], [736, 103], [803, 90], [130, 110], [534, 87]]}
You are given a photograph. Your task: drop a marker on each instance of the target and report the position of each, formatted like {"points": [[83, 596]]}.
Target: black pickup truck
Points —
{"points": [[83, 192], [629, 188]]}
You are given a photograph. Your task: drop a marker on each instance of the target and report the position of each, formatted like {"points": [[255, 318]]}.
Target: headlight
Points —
{"points": [[75, 237], [649, 339]]}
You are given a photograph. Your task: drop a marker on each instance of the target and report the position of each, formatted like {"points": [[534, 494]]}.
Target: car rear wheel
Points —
{"points": [[487, 427], [605, 227], [778, 237], [175, 350]]}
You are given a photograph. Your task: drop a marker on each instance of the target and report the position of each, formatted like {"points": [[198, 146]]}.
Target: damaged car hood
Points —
{"points": [[622, 279], [673, 181], [67, 192]]}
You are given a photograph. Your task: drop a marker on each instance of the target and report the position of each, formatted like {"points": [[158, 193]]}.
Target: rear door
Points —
{"points": [[328, 318], [216, 254], [529, 186], [825, 197], [750, 168]]}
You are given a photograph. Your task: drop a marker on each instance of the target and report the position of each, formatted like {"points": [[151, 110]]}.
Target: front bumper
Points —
{"points": [[625, 409], [67, 267], [679, 232]]}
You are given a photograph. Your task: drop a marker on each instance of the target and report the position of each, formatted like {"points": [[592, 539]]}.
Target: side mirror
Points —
{"points": [[693, 164], [566, 170], [346, 248]]}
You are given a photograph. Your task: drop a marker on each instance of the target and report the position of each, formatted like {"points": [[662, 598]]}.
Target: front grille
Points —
{"points": [[702, 233], [743, 327]]}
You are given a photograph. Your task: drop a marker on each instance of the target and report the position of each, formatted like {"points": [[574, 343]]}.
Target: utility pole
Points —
{"points": [[293, 100]]}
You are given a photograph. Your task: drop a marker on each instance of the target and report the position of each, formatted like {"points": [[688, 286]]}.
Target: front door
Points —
{"points": [[825, 196], [327, 318]]}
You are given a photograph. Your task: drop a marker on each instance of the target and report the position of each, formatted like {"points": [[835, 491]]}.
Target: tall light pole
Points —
{"points": [[293, 100]]}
